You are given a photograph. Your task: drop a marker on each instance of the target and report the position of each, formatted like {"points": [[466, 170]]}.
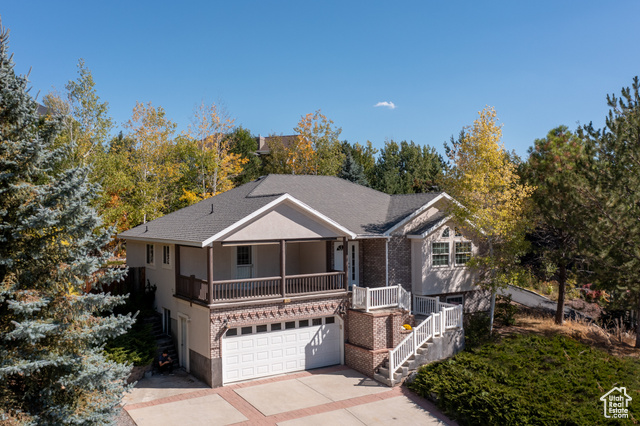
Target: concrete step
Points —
{"points": [[384, 372], [383, 379]]}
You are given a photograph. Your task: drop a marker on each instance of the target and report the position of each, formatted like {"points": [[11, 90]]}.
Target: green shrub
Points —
{"points": [[528, 380], [505, 313], [137, 347], [476, 329]]}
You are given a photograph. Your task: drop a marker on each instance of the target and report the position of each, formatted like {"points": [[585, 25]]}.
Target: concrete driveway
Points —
{"points": [[334, 395]]}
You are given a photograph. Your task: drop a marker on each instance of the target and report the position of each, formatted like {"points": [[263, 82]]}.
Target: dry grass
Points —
{"points": [[615, 340]]}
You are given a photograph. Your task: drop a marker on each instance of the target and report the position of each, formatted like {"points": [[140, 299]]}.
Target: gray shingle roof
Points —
{"points": [[428, 225], [362, 210]]}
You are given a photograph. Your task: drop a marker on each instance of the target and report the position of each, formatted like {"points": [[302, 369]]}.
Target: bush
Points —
{"points": [[137, 347], [476, 329], [528, 380], [505, 313]]}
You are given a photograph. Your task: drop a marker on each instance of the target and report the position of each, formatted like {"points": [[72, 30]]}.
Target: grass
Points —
{"points": [[616, 341], [137, 347], [535, 373]]}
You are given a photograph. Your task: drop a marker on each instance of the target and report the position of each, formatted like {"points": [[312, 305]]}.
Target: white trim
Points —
{"points": [[171, 253], [154, 254], [254, 260], [386, 262], [431, 230], [271, 205], [162, 241], [418, 212], [341, 323]]}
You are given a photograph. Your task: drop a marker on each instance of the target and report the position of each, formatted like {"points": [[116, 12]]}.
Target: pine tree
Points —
{"points": [[245, 146], [52, 366], [612, 197], [555, 169], [352, 171]]}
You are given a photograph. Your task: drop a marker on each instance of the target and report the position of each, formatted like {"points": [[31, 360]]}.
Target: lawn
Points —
{"points": [[529, 380]]}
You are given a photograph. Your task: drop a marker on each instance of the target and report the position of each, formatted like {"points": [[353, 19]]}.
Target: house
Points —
{"points": [[257, 281], [263, 142]]}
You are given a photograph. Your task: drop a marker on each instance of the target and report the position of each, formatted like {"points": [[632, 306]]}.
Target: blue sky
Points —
{"points": [[540, 64]]}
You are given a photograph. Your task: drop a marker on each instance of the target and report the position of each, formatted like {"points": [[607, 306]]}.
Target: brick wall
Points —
{"points": [[371, 335], [400, 262], [365, 361], [373, 261]]}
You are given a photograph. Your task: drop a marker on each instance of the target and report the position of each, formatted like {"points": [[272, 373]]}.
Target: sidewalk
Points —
{"points": [[335, 395]]}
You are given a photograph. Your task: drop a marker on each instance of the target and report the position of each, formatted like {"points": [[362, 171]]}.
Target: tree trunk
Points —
{"points": [[562, 283], [492, 310]]}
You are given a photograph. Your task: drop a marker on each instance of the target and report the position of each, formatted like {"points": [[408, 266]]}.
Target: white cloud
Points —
{"points": [[389, 105]]}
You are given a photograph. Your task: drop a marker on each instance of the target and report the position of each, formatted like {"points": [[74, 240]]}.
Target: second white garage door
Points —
{"points": [[268, 349]]}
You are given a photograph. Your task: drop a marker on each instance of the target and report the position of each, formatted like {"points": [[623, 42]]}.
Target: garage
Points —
{"points": [[267, 349]]}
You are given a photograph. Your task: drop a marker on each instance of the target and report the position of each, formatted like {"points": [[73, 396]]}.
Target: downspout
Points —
{"points": [[386, 262]]}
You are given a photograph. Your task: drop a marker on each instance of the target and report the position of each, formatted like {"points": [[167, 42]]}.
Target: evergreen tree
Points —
{"points": [[555, 169], [245, 145], [52, 366], [352, 170], [407, 168], [612, 197]]}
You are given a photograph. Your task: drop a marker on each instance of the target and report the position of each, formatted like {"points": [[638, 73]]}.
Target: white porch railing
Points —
{"points": [[449, 317], [424, 305], [383, 297]]}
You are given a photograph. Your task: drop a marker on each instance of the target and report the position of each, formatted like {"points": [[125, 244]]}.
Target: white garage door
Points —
{"points": [[264, 350]]}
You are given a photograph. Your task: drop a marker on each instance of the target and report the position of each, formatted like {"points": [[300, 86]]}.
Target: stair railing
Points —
{"points": [[435, 325]]}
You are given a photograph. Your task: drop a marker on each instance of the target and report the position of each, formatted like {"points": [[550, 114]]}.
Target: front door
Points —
{"points": [[353, 259]]}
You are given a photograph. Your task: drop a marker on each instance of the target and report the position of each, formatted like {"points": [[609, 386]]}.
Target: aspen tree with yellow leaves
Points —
{"points": [[154, 170], [210, 133], [317, 150], [484, 180]]}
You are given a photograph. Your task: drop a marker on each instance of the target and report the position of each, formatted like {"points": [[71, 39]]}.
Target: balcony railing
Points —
{"points": [[382, 297], [196, 289]]}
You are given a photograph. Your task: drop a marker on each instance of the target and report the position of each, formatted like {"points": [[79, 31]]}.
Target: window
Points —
{"points": [[244, 262], [445, 233], [247, 330], [329, 320], [303, 323], [458, 233], [456, 300], [232, 332], [317, 321], [289, 325], [166, 255], [275, 327], [261, 328], [150, 254], [244, 255], [440, 254], [463, 252]]}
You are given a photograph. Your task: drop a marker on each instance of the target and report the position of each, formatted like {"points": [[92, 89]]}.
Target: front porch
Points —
{"points": [[304, 268]]}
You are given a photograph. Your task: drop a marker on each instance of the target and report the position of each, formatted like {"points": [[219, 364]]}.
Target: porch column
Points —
{"points": [[176, 266], [283, 270], [345, 262], [210, 272]]}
